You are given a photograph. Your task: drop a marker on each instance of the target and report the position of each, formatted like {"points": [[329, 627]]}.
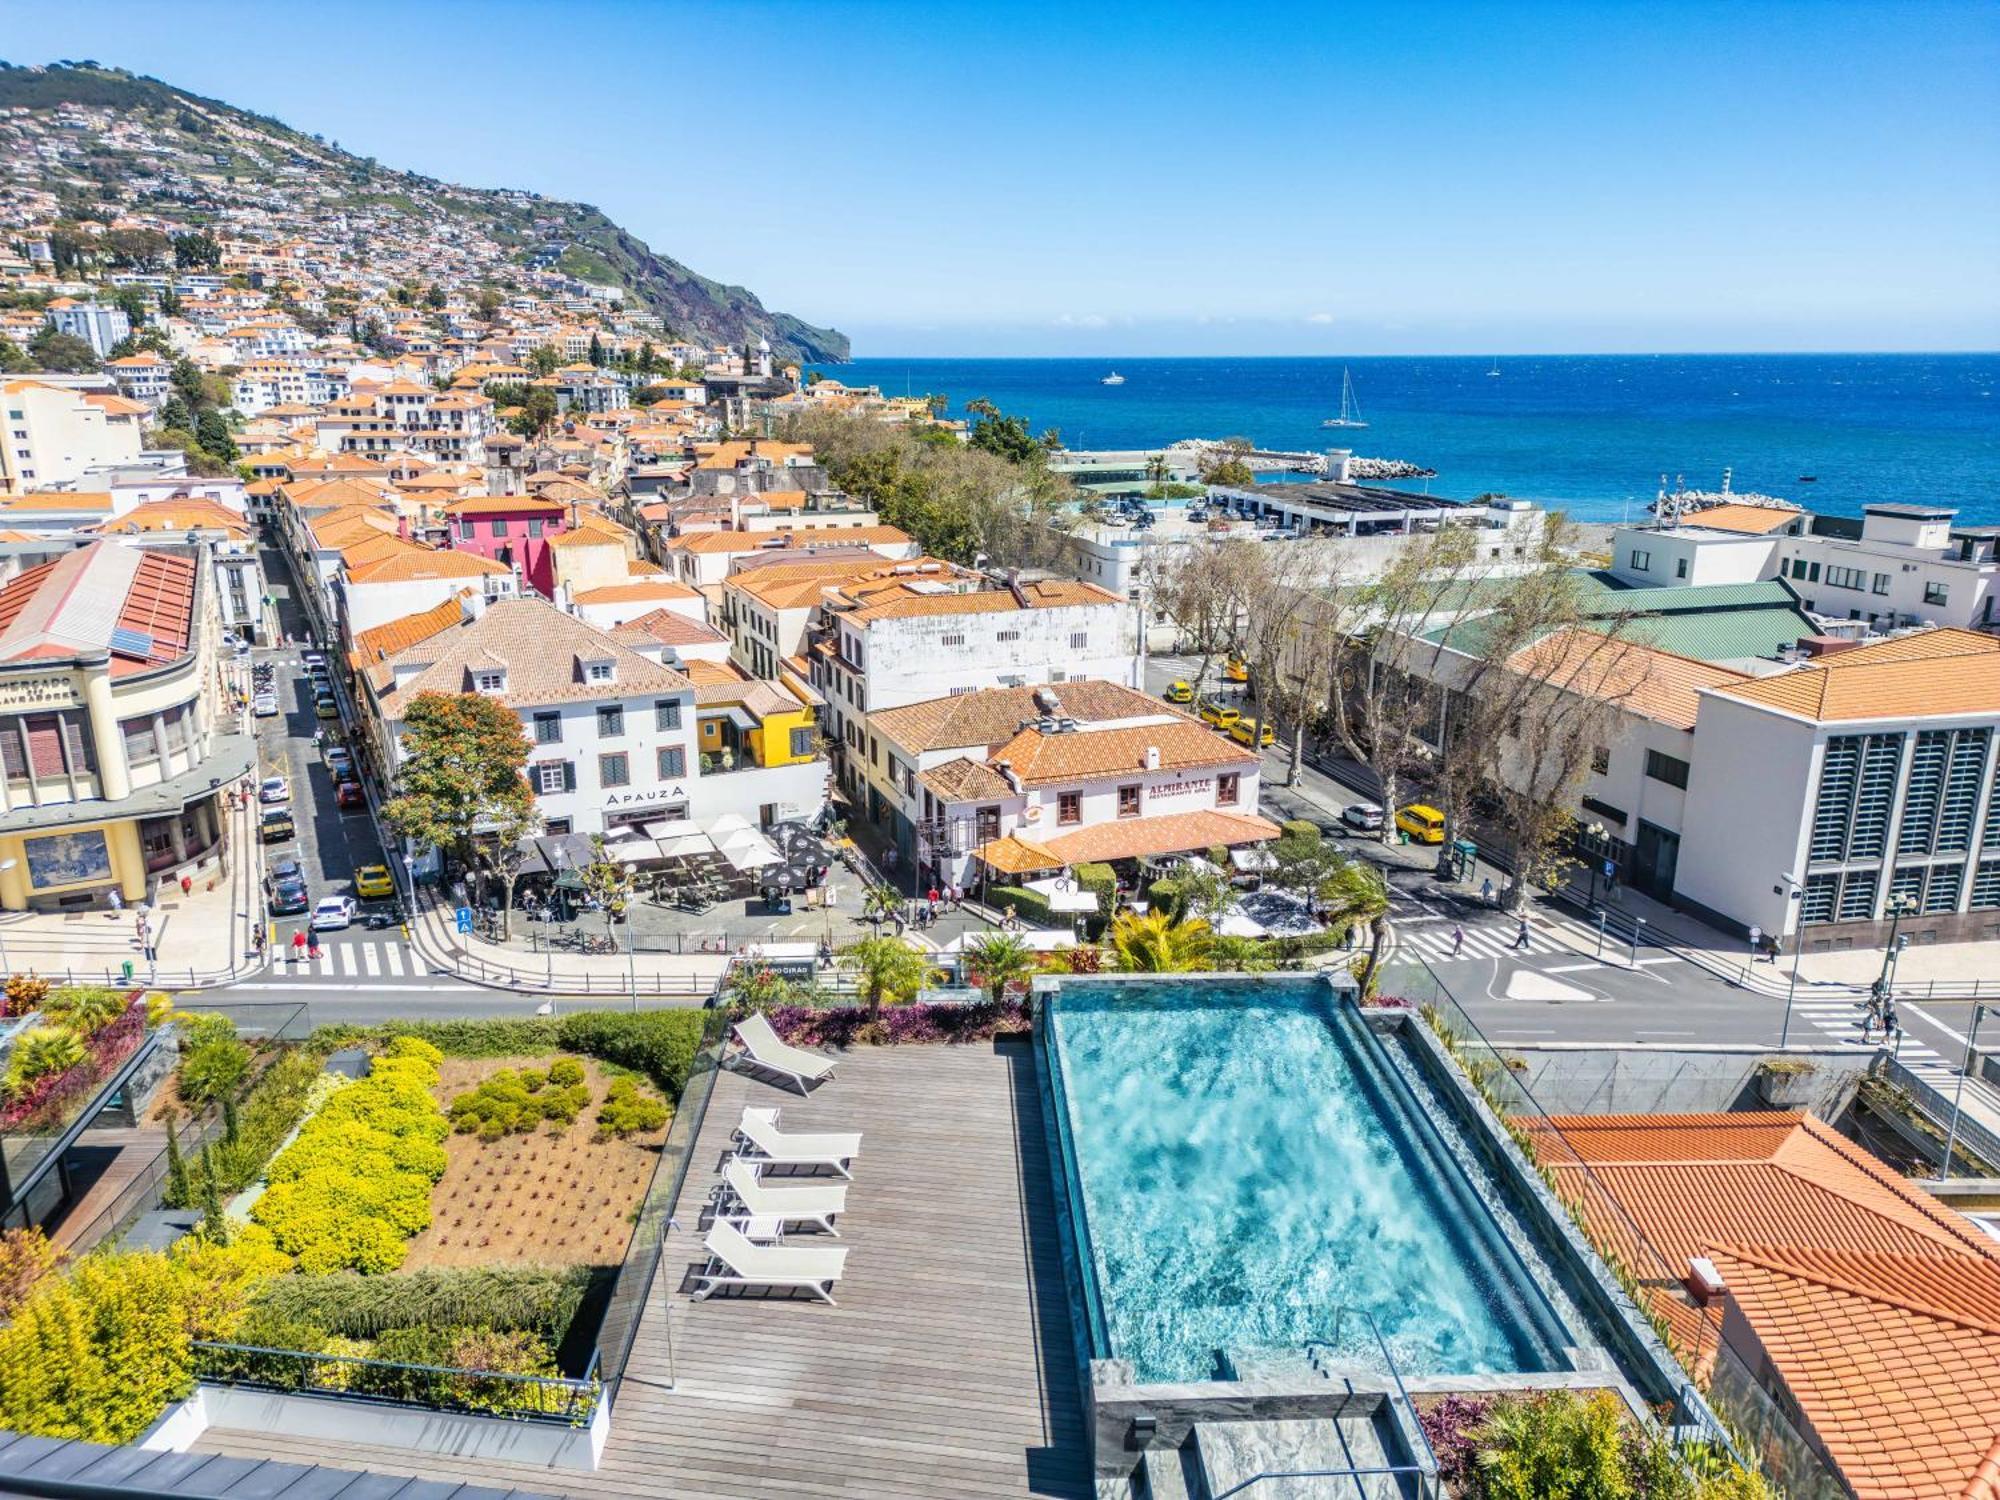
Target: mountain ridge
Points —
{"points": [[534, 230]]}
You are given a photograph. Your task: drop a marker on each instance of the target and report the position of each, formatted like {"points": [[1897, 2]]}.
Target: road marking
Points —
{"points": [[1570, 968], [262, 984], [369, 962], [394, 958], [1670, 958]]}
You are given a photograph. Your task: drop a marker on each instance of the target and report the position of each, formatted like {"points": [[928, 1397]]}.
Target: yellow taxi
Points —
{"points": [[1424, 824], [373, 881], [1180, 692], [1253, 732], [1236, 669], [1216, 716]]}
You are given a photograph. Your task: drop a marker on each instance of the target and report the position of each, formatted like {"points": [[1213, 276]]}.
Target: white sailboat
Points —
{"points": [[1350, 409], [1114, 378], [1495, 371]]}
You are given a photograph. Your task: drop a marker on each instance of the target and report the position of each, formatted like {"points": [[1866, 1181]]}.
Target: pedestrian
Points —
{"points": [[298, 945], [312, 947], [117, 900], [1486, 892], [1457, 940], [957, 896], [1521, 934]]}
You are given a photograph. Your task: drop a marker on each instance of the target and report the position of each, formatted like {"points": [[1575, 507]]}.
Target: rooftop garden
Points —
{"points": [[65, 1043], [440, 1229]]}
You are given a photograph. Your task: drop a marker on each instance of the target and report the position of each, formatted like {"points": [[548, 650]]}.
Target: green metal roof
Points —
{"points": [[1713, 622]]}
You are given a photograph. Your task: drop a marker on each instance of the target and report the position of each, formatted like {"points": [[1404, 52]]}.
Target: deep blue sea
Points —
{"points": [[1589, 433]]}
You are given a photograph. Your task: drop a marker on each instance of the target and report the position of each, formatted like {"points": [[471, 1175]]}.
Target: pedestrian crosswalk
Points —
{"points": [[1841, 1019], [1435, 941], [359, 959]]}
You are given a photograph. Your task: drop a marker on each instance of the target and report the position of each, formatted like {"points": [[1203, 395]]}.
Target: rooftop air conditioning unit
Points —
{"points": [[1152, 757]]}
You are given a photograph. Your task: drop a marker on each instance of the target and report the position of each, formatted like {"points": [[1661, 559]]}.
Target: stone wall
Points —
{"points": [[1592, 1079]]}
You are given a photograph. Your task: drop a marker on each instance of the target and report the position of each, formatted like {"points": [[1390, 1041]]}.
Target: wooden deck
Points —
{"points": [[947, 1369]]}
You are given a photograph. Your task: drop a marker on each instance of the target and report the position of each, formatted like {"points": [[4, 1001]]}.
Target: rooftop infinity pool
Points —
{"points": [[1244, 1160]]}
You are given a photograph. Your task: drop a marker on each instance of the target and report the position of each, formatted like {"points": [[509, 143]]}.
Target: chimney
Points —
{"points": [[1007, 775], [1152, 757], [1704, 1282]]}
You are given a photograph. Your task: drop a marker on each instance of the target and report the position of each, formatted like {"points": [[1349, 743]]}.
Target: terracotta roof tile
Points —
{"points": [[1932, 674], [1135, 838], [380, 641], [992, 716], [1040, 759], [1751, 520], [1640, 679]]}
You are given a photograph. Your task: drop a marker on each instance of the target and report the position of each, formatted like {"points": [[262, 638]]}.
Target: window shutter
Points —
{"points": [[569, 776]]}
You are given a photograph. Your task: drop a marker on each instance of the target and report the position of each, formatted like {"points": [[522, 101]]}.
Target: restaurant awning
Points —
{"points": [[1174, 833], [1016, 856], [1063, 895], [743, 846]]}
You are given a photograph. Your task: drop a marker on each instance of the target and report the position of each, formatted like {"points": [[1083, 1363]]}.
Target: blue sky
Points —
{"points": [[1190, 179]]}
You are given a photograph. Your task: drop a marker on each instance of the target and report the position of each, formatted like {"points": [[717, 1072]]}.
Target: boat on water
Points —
{"points": [[1494, 373], [1808, 479], [1114, 378], [1350, 409]]}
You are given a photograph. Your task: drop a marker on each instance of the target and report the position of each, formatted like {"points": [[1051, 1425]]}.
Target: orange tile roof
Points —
{"points": [[1641, 679], [1937, 673], [592, 529], [670, 628], [1752, 520], [1014, 855], [419, 563], [1137, 838], [1893, 1361], [780, 541], [493, 505], [636, 592], [381, 641], [992, 716], [200, 514], [1040, 759]]}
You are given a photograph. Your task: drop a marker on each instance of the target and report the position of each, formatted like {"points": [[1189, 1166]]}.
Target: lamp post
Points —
{"points": [[1958, 1102], [631, 958], [1637, 924], [1899, 907], [1793, 891], [1593, 834], [6, 966]]}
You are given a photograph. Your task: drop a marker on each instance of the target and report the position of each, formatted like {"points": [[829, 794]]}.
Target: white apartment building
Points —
{"points": [[1901, 565], [1008, 783], [144, 377], [54, 434], [615, 733], [103, 328]]}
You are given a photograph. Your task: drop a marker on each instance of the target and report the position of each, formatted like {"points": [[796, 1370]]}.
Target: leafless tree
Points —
{"points": [[1300, 608], [1206, 591]]}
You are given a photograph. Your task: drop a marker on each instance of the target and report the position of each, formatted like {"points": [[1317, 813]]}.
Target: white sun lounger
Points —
{"points": [[788, 1205], [736, 1261], [764, 1047], [759, 1138]]}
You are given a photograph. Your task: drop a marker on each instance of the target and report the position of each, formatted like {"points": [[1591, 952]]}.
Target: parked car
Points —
{"points": [[340, 761], [1180, 692], [311, 659], [1252, 731], [273, 789], [325, 708], [1236, 669], [275, 825], [348, 795], [1424, 824], [1218, 716], [1363, 816], [373, 881], [265, 704], [334, 912]]}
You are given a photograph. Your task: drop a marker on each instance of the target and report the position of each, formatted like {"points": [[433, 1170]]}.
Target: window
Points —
{"points": [[667, 713], [467, 530], [1670, 769], [599, 671], [1680, 567], [1008, 635], [802, 743], [952, 638], [1881, 583], [556, 826], [614, 769], [1225, 789], [610, 722], [1600, 759], [1642, 562], [1079, 639], [142, 746], [548, 729], [1846, 578], [1128, 802], [673, 762], [497, 529], [553, 776], [1936, 593], [490, 682], [1069, 807]]}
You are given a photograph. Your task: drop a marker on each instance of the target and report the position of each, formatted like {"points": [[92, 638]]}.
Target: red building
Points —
{"points": [[512, 530]]}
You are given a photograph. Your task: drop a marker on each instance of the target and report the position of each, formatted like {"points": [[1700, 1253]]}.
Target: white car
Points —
{"points": [[334, 912], [274, 789], [1363, 816], [265, 705]]}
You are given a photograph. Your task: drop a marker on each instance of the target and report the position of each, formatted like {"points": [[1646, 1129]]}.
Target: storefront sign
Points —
{"points": [[37, 692], [1200, 786], [654, 794]]}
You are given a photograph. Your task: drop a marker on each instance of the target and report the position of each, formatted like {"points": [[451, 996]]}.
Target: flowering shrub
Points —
{"points": [[511, 1102], [45, 1101], [26, 1256], [356, 1183], [626, 1110], [25, 993], [1452, 1427], [805, 1026]]}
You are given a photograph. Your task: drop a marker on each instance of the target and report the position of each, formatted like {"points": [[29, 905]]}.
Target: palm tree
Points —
{"points": [[1155, 944], [1356, 892], [1001, 959], [888, 968], [880, 905]]}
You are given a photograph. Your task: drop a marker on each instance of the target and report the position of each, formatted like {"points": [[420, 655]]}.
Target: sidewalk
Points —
{"points": [[200, 939], [434, 935]]}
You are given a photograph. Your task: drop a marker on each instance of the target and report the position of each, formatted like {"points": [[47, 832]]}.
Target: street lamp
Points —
{"points": [[1958, 1102], [1593, 834], [1637, 924], [1899, 907], [1793, 891], [631, 959]]}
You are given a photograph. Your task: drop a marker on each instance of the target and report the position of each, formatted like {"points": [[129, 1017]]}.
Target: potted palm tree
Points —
{"points": [[887, 969], [1000, 960]]}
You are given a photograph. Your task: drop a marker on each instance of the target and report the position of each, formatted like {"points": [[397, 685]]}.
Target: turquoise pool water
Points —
{"points": [[1246, 1161]]}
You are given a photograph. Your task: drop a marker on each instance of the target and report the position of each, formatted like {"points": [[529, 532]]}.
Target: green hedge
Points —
{"points": [[659, 1043], [541, 1299], [1165, 895], [273, 1106], [1032, 907]]}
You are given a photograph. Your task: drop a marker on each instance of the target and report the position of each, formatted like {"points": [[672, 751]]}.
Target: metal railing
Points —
{"points": [[555, 1399], [626, 1305], [1937, 1106]]}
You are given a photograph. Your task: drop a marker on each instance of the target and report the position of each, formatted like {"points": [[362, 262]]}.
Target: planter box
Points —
{"points": [[1786, 1090]]}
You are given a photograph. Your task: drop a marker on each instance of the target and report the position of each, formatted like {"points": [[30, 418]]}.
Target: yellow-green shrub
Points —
{"points": [[356, 1183], [626, 1110]]}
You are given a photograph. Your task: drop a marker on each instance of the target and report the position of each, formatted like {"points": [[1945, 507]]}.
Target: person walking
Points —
{"points": [[1457, 940], [1521, 934], [298, 945], [1486, 892]]}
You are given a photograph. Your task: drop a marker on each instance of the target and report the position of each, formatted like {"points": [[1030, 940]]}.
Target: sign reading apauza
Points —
{"points": [[655, 794]]}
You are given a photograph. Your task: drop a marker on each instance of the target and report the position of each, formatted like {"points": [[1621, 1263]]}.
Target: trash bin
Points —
{"points": [[127, 969]]}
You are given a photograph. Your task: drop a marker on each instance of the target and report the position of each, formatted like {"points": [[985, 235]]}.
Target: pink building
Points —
{"points": [[512, 530]]}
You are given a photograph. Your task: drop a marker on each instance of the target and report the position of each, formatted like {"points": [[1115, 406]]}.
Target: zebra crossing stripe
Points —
{"points": [[370, 963]]}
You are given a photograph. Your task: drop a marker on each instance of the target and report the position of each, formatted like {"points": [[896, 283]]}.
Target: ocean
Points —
{"points": [[1590, 434]]}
